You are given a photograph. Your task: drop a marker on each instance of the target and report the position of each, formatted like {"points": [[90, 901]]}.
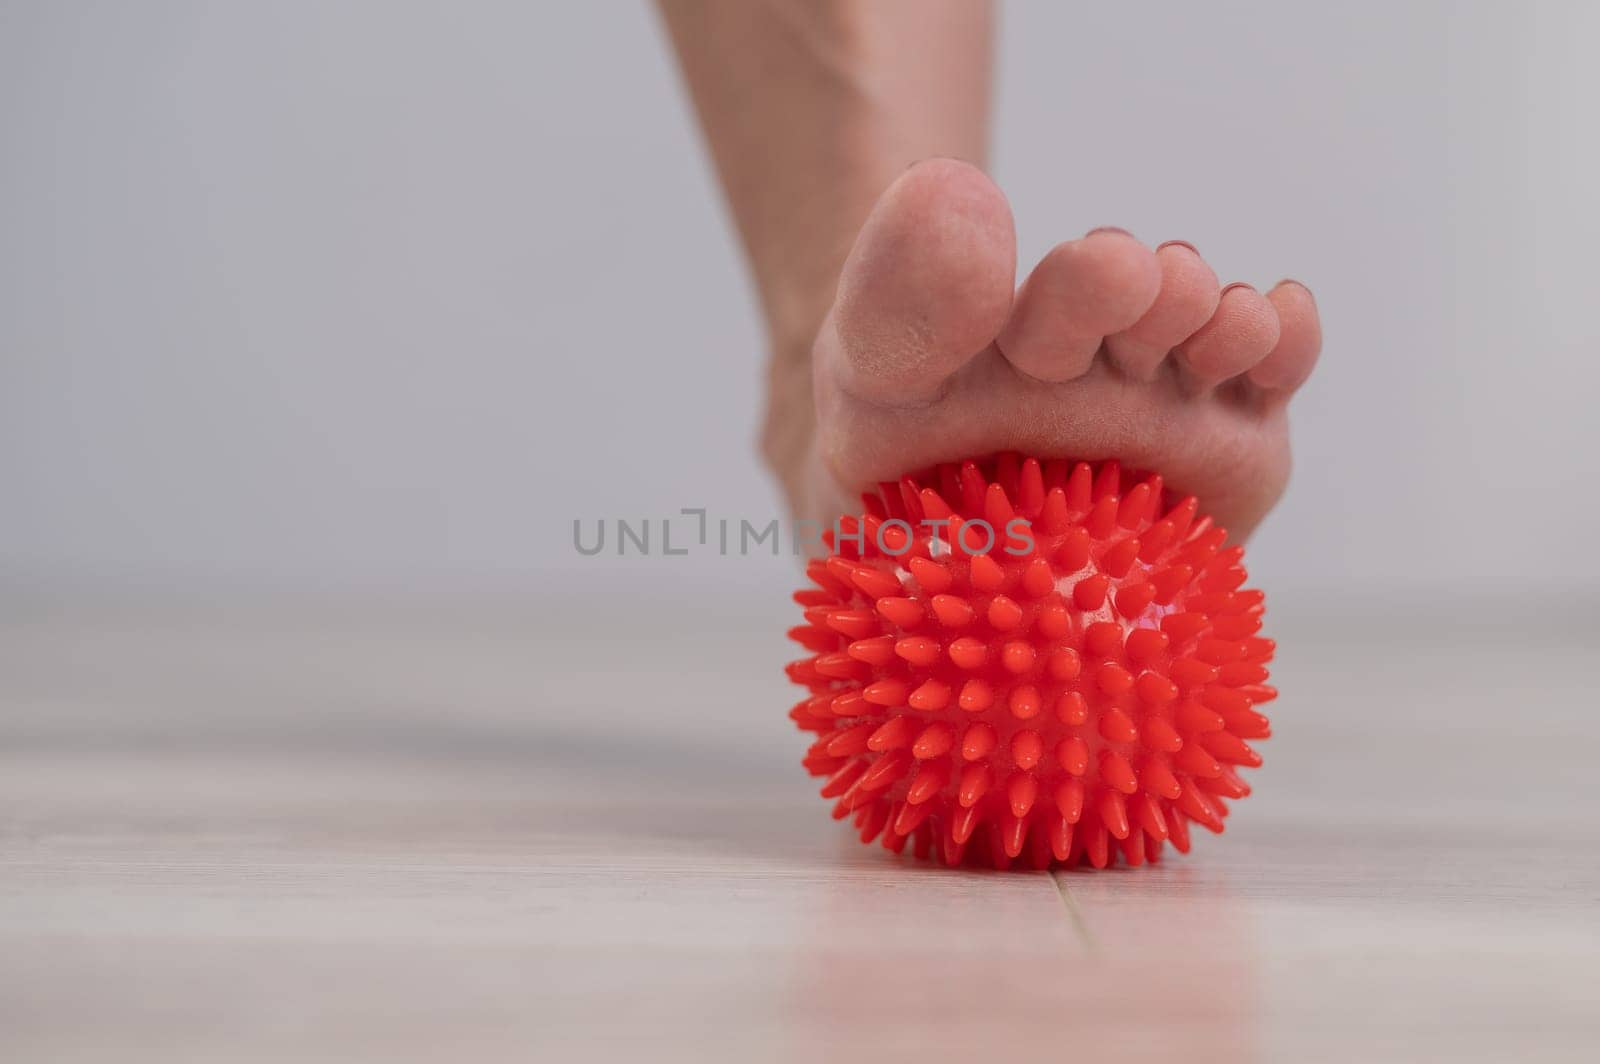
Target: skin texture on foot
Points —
{"points": [[1109, 349]]}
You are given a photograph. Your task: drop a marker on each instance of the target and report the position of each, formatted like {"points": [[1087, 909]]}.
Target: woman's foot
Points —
{"points": [[1108, 350]]}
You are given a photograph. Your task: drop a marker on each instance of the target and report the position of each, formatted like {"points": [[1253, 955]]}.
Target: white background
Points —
{"points": [[383, 295]]}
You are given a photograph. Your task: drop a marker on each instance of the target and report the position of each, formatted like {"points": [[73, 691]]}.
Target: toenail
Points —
{"points": [[1108, 229], [1237, 284], [1179, 244]]}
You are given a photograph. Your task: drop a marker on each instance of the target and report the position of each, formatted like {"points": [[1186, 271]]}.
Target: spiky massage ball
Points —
{"points": [[1031, 660]]}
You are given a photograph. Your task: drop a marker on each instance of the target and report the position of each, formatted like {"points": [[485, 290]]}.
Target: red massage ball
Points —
{"points": [[1045, 661]]}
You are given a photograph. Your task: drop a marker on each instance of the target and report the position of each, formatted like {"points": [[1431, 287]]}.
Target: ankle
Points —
{"points": [[788, 424]]}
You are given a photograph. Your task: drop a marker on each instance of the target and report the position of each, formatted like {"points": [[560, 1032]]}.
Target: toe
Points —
{"points": [[1299, 339], [1188, 298], [1080, 293], [927, 285], [1238, 336]]}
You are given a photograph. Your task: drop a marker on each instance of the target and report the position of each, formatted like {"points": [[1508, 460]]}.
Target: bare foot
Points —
{"points": [[1108, 350]]}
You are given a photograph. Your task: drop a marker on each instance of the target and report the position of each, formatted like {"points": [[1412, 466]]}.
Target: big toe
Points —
{"points": [[928, 284]]}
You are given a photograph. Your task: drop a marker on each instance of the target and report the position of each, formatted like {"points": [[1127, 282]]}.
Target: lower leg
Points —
{"points": [[811, 109]]}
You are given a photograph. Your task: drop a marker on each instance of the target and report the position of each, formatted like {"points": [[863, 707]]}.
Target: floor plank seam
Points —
{"points": [[1074, 914]]}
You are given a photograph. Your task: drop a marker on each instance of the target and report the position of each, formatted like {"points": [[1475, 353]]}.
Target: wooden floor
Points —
{"points": [[320, 833]]}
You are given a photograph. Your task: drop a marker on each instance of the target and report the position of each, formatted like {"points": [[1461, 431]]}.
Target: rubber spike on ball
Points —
{"points": [[1057, 665]]}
